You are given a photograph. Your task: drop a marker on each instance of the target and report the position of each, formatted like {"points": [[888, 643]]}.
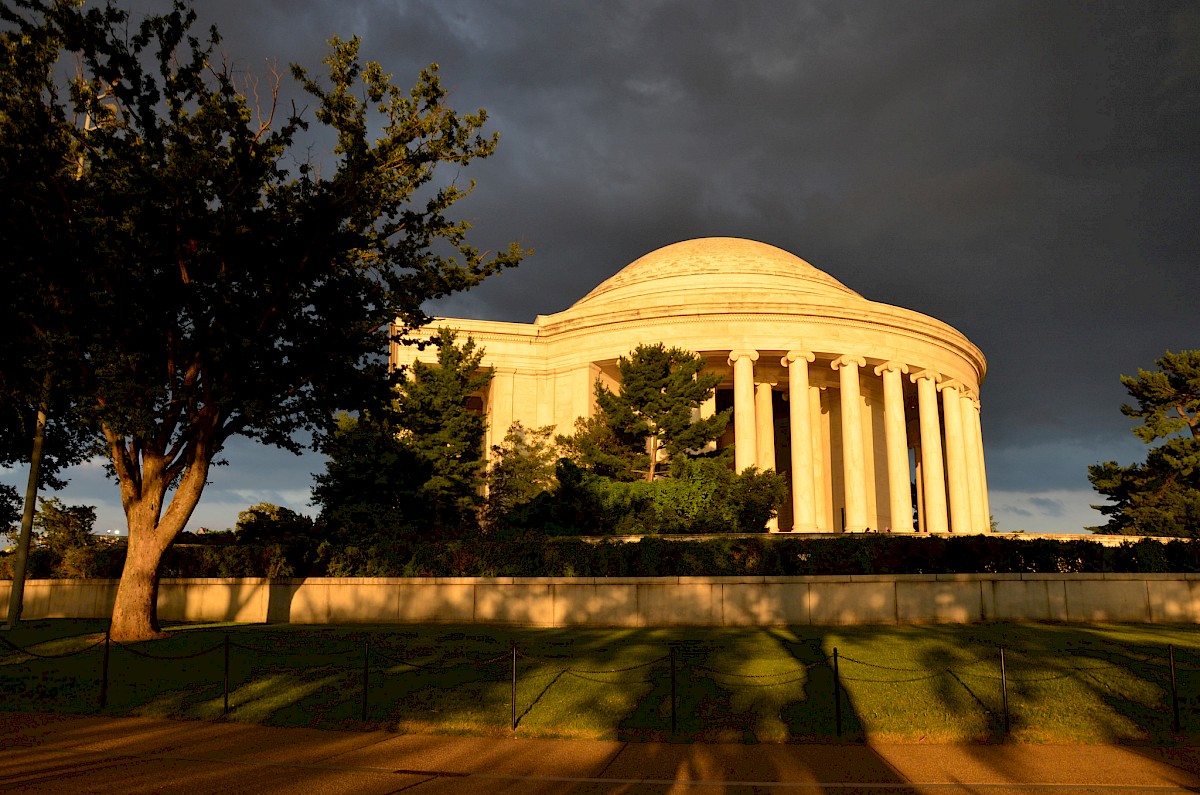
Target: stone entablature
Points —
{"points": [[889, 396]]}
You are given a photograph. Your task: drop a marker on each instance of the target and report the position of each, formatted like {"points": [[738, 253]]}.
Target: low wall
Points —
{"points": [[646, 601]]}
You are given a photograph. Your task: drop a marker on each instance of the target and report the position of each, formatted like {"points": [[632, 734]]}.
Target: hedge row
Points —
{"points": [[541, 557]]}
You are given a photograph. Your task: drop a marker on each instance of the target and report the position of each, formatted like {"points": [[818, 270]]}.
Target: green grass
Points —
{"points": [[1066, 683]]}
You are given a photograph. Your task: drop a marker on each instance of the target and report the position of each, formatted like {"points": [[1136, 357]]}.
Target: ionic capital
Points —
{"points": [[920, 375], [951, 383], [795, 356], [743, 354], [845, 360], [891, 366]]}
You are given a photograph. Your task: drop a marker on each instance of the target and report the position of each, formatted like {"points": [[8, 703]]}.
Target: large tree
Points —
{"points": [[1161, 496], [39, 180], [652, 413], [220, 283]]}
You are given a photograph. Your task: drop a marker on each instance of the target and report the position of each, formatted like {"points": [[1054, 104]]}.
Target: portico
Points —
{"points": [[861, 404]]}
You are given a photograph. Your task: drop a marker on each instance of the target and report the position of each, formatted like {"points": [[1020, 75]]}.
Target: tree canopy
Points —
{"points": [[416, 466], [1160, 497], [214, 280], [652, 413]]}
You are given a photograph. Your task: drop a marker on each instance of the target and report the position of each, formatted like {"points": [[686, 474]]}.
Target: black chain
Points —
{"points": [[22, 650]]}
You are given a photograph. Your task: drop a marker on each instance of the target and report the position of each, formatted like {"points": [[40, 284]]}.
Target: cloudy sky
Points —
{"points": [[1027, 172]]}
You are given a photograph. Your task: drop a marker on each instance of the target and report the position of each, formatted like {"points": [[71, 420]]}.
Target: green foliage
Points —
{"points": [[651, 415], [10, 511], [267, 523], [62, 528], [38, 157], [703, 495], [1161, 496], [369, 486], [651, 556], [414, 467], [200, 273], [444, 432], [522, 472]]}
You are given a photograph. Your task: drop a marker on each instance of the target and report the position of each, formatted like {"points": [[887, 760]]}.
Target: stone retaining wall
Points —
{"points": [[647, 601]]}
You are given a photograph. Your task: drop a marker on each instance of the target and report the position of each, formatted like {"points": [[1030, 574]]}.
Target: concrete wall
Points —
{"points": [[646, 601]]}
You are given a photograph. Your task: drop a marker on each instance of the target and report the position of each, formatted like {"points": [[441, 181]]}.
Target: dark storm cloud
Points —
{"points": [[1027, 172]]}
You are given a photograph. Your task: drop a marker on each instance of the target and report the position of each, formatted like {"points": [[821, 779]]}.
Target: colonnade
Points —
{"points": [[950, 473]]}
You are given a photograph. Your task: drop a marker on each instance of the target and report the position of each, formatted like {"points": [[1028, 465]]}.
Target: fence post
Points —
{"points": [[837, 694], [1174, 689], [1004, 690], [674, 718], [104, 668], [366, 674], [226, 709], [513, 697]]}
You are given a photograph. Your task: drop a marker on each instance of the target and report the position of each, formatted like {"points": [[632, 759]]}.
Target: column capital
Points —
{"points": [[894, 366], [951, 383], [795, 356], [923, 374], [743, 354], [845, 360]]}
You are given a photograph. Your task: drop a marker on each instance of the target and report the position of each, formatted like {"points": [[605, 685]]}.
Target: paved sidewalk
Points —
{"points": [[59, 754]]}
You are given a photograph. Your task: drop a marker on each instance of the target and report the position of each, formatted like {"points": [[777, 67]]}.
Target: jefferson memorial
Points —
{"points": [[872, 411]]}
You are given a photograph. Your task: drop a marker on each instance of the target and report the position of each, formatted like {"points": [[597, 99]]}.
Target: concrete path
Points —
{"points": [[64, 754]]}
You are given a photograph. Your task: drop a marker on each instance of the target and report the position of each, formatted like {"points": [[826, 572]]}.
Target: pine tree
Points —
{"points": [[651, 416], [1161, 496]]}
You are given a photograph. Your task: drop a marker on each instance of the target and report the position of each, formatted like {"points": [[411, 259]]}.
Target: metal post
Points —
{"points": [[1174, 689], [513, 698], [226, 710], [366, 674], [104, 668], [837, 694], [674, 718], [1004, 690]]}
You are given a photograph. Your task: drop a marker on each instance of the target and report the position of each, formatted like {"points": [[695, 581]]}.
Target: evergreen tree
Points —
{"points": [[651, 414], [416, 466], [445, 433], [522, 470], [1161, 496]]}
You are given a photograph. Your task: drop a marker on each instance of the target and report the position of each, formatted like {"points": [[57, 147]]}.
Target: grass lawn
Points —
{"points": [[1066, 683]]}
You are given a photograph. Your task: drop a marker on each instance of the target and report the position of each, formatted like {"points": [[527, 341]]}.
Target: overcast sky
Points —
{"points": [[1027, 172]]}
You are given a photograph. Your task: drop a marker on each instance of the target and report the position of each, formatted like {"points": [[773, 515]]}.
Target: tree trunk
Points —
{"points": [[135, 612], [151, 531], [16, 596]]}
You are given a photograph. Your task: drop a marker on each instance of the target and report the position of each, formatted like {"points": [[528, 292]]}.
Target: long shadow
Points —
{"points": [[825, 712], [1101, 683]]}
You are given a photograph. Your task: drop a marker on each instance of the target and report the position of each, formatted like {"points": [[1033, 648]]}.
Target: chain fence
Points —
{"points": [[383, 660]]}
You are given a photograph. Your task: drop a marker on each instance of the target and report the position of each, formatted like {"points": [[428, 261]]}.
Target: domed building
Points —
{"points": [[856, 401]]}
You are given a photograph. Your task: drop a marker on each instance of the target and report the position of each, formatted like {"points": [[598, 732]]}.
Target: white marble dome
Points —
{"points": [[715, 267]]}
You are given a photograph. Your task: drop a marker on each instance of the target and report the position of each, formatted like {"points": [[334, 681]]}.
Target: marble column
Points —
{"points": [[764, 436], [800, 421], [956, 458], [764, 427], [975, 460], [933, 476], [922, 520], [896, 438], [745, 454], [854, 463]]}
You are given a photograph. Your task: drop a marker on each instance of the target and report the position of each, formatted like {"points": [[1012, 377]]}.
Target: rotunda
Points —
{"points": [[872, 411]]}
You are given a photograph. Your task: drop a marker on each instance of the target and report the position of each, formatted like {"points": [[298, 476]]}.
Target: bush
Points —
{"points": [[538, 556]]}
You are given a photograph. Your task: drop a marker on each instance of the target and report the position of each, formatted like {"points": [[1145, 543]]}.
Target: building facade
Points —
{"points": [[872, 411]]}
